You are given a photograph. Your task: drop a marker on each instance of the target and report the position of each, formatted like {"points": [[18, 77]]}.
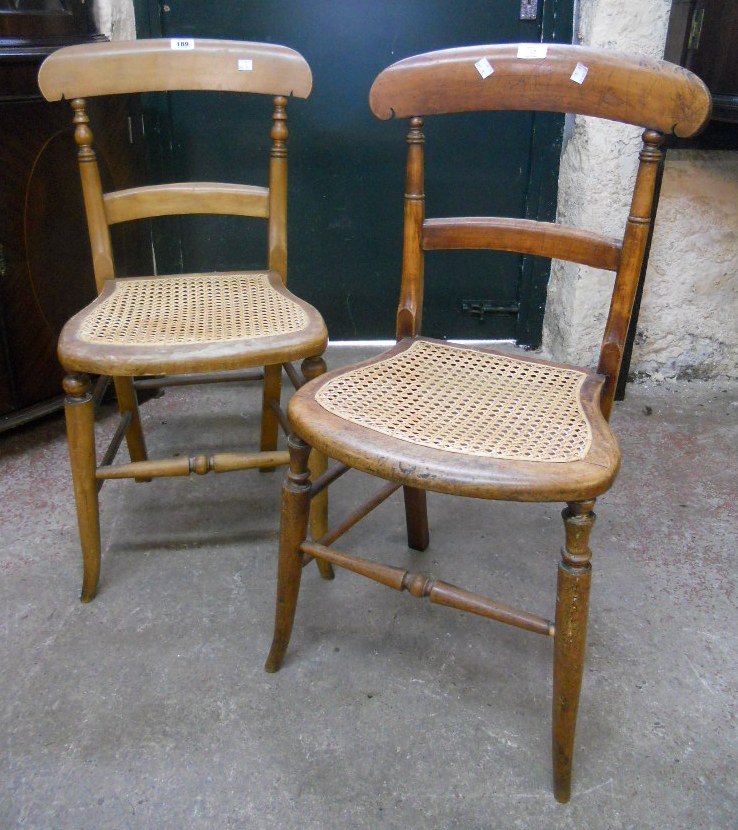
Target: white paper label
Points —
{"points": [[579, 73], [532, 50], [245, 64], [179, 44], [484, 67]]}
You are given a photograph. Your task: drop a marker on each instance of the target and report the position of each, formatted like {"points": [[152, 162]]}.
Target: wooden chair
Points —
{"points": [[467, 421], [179, 328]]}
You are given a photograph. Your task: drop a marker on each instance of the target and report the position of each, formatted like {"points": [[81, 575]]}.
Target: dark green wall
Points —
{"points": [[346, 174]]}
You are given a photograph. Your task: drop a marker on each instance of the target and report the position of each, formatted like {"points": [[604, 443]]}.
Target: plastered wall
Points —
{"points": [[115, 19], [688, 325]]}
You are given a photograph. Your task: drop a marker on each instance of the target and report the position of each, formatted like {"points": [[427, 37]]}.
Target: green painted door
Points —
{"points": [[347, 168]]}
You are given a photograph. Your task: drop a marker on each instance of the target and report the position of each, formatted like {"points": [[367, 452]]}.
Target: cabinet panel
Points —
{"points": [[703, 36], [46, 269], [45, 275]]}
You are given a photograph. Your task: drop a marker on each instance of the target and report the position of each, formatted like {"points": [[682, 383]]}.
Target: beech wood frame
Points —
{"points": [[81, 72], [653, 95]]}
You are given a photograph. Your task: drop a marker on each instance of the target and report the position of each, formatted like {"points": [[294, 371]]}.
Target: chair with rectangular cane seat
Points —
{"points": [[429, 415], [179, 328]]}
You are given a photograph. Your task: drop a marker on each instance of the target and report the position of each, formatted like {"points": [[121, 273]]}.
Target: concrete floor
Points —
{"points": [[149, 708]]}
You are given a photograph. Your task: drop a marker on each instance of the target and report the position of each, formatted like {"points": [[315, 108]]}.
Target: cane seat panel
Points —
{"points": [[467, 401], [205, 308], [461, 419], [149, 325]]}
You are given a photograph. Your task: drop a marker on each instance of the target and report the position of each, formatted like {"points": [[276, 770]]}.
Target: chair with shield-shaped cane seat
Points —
{"points": [[429, 415], [184, 328]]}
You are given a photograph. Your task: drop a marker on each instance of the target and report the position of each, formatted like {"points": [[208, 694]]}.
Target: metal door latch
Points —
{"points": [[528, 9], [480, 308]]}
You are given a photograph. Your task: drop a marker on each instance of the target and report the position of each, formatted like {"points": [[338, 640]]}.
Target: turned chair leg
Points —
{"points": [[271, 394], [79, 409], [292, 533], [125, 392], [313, 367], [572, 606], [416, 518]]}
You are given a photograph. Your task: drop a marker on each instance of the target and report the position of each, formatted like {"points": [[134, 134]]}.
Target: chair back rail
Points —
{"points": [[522, 236], [634, 90], [159, 65], [655, 95], [186, 198]]}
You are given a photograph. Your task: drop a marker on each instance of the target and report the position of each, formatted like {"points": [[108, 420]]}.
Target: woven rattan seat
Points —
{"points": [[203, 308], [149, 325], [467, 401]]}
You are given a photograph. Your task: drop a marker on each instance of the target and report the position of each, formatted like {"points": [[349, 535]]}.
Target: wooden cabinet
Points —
{"points": [[45, 267], [703, 36]]}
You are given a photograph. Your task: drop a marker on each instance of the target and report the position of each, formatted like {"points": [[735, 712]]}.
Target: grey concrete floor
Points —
{"points": [[149, 708]]}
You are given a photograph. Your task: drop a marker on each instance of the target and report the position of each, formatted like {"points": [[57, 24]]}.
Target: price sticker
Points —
{"points": [[532, 50], [579, 73], [181, 45], [484, 67]]}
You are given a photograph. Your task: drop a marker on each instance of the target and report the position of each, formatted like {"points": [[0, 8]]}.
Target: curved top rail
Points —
{"points": [[633, 89], [164, 64]]}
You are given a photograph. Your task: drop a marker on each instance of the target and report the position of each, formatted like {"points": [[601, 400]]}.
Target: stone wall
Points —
{"points": [[687, 325], [689, 317], [115, 19]]}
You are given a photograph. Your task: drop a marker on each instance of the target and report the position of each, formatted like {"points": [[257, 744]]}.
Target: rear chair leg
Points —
{"points": [[313, 367], [416, 518], [292, 533], [271, 393], [125, 392], [572, 606], [79, 409]]}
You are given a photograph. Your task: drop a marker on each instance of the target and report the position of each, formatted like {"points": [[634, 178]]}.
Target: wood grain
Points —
{"points": [[631, 89], [186, 198], [522, 236], [154, 66]]}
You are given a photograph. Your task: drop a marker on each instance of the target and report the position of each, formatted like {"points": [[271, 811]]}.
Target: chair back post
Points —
{"points": [[410, 308], [92, 192], [278, 189], [635, 240]]}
